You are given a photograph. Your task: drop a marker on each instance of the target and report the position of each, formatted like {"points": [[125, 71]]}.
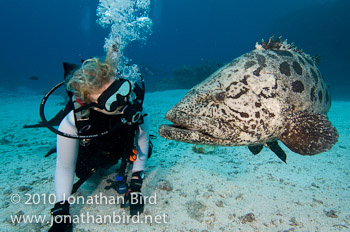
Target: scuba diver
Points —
{"points": [[104, 122]]}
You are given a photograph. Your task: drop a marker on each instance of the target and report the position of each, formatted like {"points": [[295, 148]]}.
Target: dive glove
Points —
{"points": [[62, 221]]}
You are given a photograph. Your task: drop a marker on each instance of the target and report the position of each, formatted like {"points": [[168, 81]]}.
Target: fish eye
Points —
{"points": [[219, 96]]}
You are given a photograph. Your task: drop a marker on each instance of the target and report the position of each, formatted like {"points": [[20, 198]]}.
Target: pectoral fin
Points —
{"points": [[273, 146], [309, 134], [255, 149]]}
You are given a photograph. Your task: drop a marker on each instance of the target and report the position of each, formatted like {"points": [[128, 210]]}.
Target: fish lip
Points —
{"points": [[185, 130], [182, 127], [194, 129], [182, 121], [190, 136]]}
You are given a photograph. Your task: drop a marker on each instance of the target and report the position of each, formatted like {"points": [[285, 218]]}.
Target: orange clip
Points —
{"points": [[133, 156]]}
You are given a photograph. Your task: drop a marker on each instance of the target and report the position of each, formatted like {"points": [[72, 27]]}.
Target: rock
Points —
{"points": [[165, 185], [203, 149], [7, 192], [206, 195], [293, 222], [195, 210], [219, 203], [9, 219], [24, 188], [317, 201], [250, 217], [5, 205], [332, 214], [239, 196], [4, 141]]}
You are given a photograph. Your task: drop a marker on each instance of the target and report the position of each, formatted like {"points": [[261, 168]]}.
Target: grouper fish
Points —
{"points": [[275, 92]]}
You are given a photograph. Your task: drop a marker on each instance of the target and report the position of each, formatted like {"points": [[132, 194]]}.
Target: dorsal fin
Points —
{"points": [[317, 59], [272, 44], [278, 44]]}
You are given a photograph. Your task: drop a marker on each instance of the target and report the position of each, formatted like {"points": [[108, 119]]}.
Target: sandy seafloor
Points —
{"points": [[196, 192]]}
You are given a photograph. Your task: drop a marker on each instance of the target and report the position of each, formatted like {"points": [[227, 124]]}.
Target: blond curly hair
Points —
{"points": [[89, 78]]}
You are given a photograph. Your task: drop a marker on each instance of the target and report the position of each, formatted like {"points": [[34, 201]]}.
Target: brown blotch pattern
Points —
{"points": [[297, 68], [249, 64], [233, 63], [283, 53], [314, 75], [298, 87], [272, 56], [285, 68], [261, 60], [244, 80], [320, 96], [312, 94], [244, 115], [257, 71]]}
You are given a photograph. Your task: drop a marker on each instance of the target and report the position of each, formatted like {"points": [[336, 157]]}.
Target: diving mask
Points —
{"points": [[115, 95]]}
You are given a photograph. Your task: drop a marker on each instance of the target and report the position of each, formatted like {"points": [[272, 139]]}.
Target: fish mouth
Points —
{"points": [[192, 129], [187, 135], [181, 127]]}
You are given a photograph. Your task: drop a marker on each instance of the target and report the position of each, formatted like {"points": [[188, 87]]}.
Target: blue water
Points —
{"points": [[38, 35]]}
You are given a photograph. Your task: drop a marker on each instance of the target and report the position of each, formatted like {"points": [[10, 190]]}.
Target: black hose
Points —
{"points": [[50, 127]]}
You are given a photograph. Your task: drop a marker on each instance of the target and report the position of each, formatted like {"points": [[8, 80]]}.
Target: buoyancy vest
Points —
{"points": [[95, 151], [105, 151], [100, 152]]}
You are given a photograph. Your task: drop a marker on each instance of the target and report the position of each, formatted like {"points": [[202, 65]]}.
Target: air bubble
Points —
{"points": [[129, 21]]}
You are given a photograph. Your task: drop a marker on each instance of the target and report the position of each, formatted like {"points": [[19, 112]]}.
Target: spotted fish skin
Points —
{"points": [[259, 97]]}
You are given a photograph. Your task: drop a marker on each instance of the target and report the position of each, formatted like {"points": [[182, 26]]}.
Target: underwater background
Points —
{"points": [[190, 38], [198, 189]]}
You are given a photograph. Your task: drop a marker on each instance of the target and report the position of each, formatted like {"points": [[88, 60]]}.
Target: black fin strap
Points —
{"points": [[135, 185], [60, 208], [140, 93]]}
